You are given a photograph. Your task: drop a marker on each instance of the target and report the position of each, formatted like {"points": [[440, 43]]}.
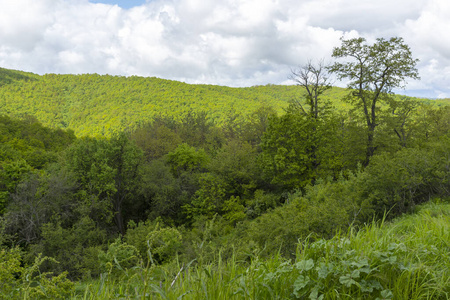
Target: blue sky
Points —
{"points": [[122, 3], [224, 42]]}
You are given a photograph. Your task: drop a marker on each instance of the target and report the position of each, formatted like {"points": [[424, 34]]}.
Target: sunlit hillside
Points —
{"points": [[94, 104]]}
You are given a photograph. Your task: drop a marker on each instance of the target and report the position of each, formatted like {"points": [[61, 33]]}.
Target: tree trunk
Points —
{"points": [[118, 217], [370, 145]]}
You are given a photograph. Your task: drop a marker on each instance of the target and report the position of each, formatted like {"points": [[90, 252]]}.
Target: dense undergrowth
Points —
{"points": [[407, 258]]}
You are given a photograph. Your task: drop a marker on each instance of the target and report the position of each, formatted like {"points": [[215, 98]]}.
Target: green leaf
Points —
{"points": [[386, 294], [347, 280], [369, 286], [355, 274], [305, 265], [315, 294], [300, 283], [362, 263], [323, 272]]}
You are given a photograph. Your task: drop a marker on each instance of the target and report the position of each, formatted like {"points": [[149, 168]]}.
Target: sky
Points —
{"points": [[225, 42]]}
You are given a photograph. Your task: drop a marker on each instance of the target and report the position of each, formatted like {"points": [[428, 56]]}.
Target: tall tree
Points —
{"points": [[107, 172], [373, 71], [297, 148], [314, 78]]}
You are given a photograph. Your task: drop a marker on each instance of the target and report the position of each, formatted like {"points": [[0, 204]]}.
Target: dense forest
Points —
{"points": [[136, 188], [99, 105]]}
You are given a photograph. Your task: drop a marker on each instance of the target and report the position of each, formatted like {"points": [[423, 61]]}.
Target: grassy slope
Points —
{"points": [[408, 258], [91, 104]]}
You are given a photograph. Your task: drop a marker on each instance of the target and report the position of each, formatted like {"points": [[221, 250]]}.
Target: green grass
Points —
{"points": [[408, 258]]}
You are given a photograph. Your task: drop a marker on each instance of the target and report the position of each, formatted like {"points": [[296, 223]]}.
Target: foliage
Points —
{"points": [[10, 267], [45, 285], [405, 259], [19, 282], [286, 145], [298, 148], [156, 139], [208, 239], [164, 243], [10, 76], [377, 260], [320, 212], [154, 241], [26, 146], [11, 174], [234, 210], [164, 194], [92, 104], [76, 247], [261, 203], [208, 199], [236, 164], [108, 174], [118, 258], [186, 158], [36, 201], [84, 102], [218, 189], [373, 71], [137, 235], [407, 178]]}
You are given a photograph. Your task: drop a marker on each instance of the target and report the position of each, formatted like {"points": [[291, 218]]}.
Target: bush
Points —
{"points": [[76, 248], [320, 212], [119, 258], [159, 244], [261, 203], [17, 281], [10, 268], [164, 243], [137, 235], [411, 176]]}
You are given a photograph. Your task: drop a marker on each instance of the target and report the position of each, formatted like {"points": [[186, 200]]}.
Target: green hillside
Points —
{"points": [[98, 105], [215, 196], [12, 76], [92, 104]]}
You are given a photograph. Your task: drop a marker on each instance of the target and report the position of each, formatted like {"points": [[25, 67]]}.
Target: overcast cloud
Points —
{"points": [[225, 42]]}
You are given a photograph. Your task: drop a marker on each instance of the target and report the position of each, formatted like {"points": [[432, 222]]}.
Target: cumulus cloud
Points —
{"points": [[227, 42], [426, 35]]}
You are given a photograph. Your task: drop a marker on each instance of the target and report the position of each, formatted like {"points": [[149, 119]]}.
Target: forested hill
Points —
{"points": [[93, 104]]}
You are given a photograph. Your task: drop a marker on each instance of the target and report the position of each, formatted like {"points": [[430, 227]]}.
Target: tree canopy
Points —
{"points": [[373, 72]]}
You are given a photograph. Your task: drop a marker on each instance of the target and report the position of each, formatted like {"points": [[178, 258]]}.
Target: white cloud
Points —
{"points": [[426, 35], [22, 23], [227, 42]]}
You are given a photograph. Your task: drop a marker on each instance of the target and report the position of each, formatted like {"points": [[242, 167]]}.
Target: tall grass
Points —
{"points": [[408, 258]]}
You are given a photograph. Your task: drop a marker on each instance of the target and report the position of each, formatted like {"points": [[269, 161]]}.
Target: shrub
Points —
{"points": [[10, 268], [320, 212], [261, 203], [409, 177], [76, 248], [164, 243], [17, 281], [118, 258], [137, 235]]}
